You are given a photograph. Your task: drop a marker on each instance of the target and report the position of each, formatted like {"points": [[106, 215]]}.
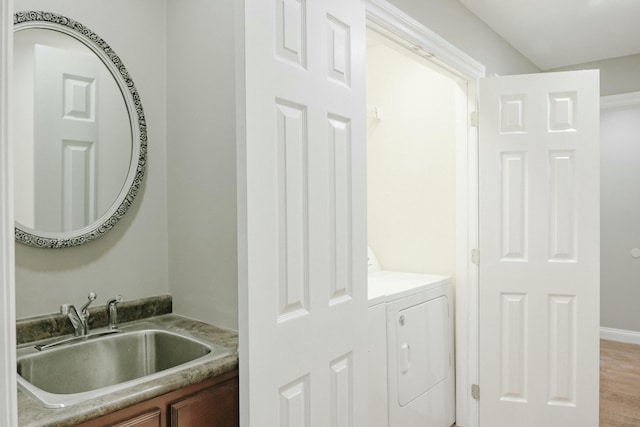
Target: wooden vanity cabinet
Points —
{"points": [[199, 409], [152, 418], [211, 403]]}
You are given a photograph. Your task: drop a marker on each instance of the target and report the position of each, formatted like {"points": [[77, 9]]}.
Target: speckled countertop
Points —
{"points": [[33, 414]]}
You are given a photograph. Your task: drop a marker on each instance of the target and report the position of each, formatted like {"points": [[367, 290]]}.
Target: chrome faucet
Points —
{"points": [[112, 311], [80, 321]]}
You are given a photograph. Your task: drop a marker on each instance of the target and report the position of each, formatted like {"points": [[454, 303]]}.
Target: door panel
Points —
{"points": [[66, 138], [423, 348], [539, 240], [303, 215]]}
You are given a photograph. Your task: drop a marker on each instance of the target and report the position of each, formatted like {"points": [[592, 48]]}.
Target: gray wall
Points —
{"points": [[132, 258], [201, 181], [617, 75], [620, 211]]}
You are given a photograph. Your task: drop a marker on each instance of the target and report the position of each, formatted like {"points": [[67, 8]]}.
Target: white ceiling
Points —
{"points": [[557, 33]]}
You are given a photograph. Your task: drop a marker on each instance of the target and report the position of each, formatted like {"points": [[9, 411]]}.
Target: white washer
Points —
{"points": [[411, 363]]}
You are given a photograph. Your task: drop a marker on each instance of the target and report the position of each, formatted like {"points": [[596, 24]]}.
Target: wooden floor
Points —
{"points": [[619, 384]]}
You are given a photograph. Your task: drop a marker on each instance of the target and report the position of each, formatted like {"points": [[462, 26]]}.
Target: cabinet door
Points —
{"points": [[212, 407], [148, 419]]}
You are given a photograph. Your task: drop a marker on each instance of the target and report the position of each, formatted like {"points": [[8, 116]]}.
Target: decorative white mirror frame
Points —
{"points": [[52, 21]]}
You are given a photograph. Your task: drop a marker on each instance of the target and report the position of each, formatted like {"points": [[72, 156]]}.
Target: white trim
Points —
{"points": [[241, 200], [623, 100], [389, 18], [467, 315], [396, 21], [8, 393], [619, 335]]}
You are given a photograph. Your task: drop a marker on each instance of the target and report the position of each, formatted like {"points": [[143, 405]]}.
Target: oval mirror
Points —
{"points": [[79, 130]]}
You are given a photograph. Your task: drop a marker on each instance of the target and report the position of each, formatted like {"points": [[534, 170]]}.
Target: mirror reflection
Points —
{"points": [[72, 130], [79, 130]]}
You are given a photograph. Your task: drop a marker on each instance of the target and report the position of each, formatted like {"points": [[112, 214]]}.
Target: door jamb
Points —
{"points": [[8, 393], [389, 18]]}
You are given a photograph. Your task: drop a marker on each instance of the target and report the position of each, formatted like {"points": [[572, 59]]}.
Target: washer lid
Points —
{"points": [[387, 286]]}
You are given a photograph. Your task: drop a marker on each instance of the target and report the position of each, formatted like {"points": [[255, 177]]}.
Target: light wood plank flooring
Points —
{"points": [[619, 384]]}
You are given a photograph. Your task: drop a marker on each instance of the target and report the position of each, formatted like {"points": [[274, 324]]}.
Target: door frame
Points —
{"points": [[382, 15], [8, 393]]}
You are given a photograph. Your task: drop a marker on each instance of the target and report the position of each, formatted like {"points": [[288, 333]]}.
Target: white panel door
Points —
{"points": [[539, 256], [302, 215], [65, 138]]}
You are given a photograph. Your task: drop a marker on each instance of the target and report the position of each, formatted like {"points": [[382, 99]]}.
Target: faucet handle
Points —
{"points": [[118, 298], [92, 296]]}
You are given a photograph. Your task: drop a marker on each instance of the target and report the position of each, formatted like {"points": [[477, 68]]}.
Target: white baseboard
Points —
{"points": [[620, 335]]}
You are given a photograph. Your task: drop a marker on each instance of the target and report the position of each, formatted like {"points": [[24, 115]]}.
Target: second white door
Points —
{"points": [[539, 250]]}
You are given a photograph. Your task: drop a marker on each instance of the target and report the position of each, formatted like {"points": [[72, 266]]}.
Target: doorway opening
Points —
{"points": [[422, 175], [411, 158]]}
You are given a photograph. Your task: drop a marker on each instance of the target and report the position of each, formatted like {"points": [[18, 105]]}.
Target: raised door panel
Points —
{"points": [[151, 418], [146, 414], [212, 407]]}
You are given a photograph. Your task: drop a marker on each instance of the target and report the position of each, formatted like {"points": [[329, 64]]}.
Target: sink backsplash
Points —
{"points": [[55, 325]]}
